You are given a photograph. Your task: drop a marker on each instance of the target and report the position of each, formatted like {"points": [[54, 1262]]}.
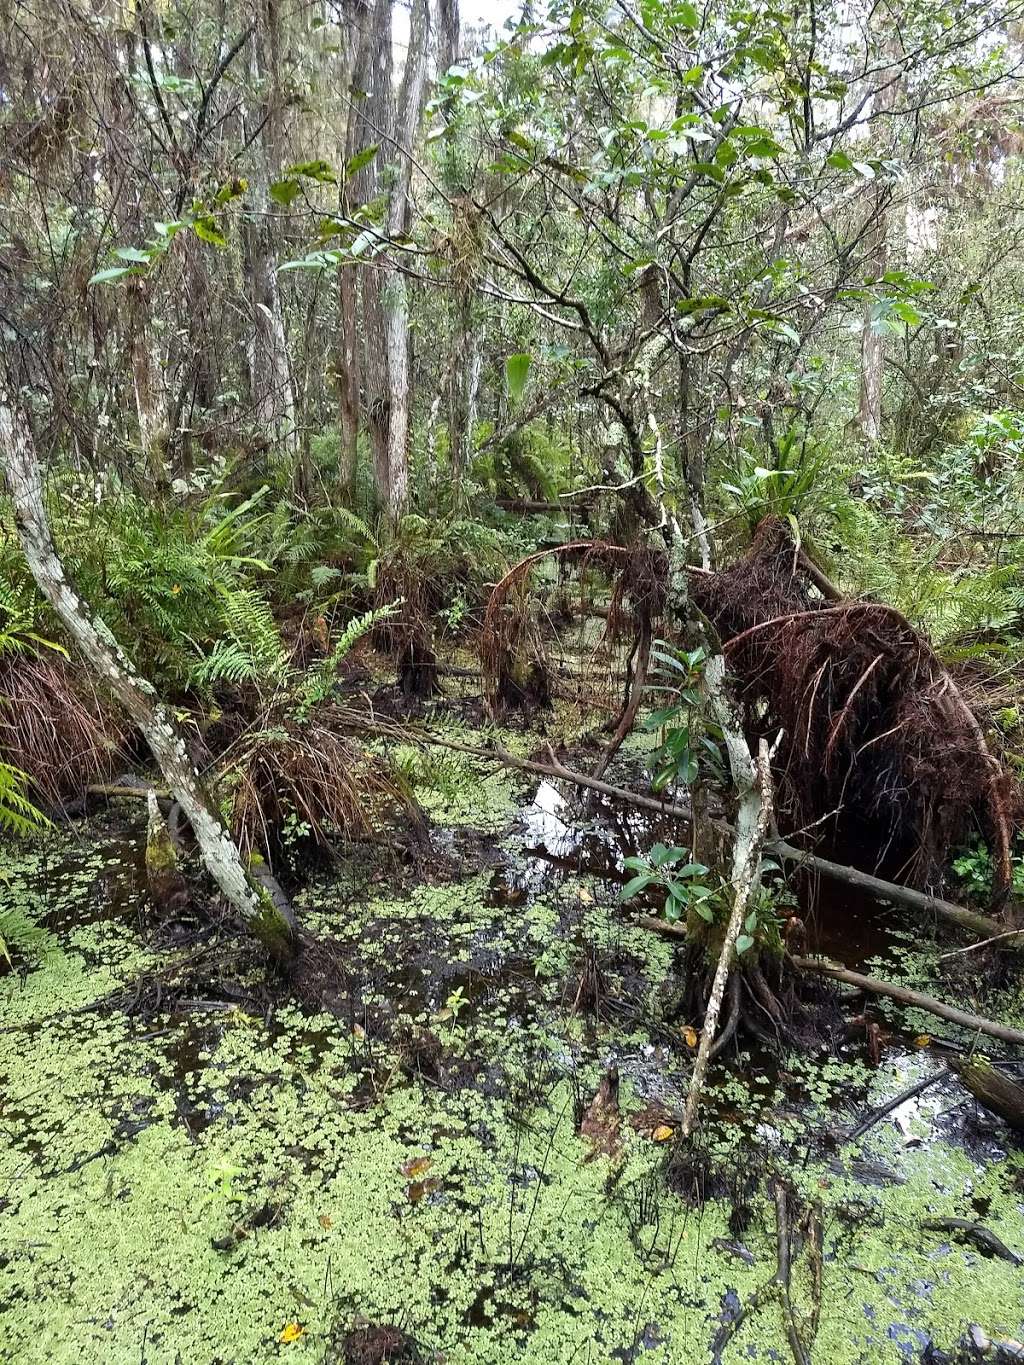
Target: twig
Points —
{"points": [[877, 1114], [996, 938]]}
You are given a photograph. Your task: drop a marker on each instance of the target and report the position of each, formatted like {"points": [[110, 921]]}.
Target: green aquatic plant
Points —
{"points": [[669, 870]]}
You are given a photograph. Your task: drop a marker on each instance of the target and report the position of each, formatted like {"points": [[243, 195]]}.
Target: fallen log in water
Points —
{"points": [[959, 915], [991, 1088], [977, 1022]]}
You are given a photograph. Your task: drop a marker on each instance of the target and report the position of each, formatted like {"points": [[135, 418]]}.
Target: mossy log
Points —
{"points": [[991, 1088], [167, 886]]}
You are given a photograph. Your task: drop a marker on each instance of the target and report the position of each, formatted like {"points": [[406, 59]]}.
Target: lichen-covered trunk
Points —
{"points": [[464, 384], [271, 383], [105, 656], [147, 384], [753, 814], [872, 347], [348, 380], [385, 297]]}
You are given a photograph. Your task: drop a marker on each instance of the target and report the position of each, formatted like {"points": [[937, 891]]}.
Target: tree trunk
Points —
{"points": [[145, 376], [271, 385], [872, 346], [356, 15], [101, 651], [385, 298]]}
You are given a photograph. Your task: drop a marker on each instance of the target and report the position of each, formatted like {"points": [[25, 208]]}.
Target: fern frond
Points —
{"points": [[18, 815], [317, 685]]}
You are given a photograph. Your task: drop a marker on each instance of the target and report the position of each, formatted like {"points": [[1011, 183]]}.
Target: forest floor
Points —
{"points": [[218, 1172]]}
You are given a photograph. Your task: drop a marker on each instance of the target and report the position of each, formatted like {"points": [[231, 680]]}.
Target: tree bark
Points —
{"points": [[872, 348], [991, 1088], [274, 929], [356, 14], [385, 298], [270, 376]]}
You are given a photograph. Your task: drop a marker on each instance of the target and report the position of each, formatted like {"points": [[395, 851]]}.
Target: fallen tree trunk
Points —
{"points": [[976, 1022], [991, 1088], [959, 915], [275, 930]]}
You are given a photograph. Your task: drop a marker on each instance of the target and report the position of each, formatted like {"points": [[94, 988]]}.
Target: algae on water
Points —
{"points": [[185, 1186]]}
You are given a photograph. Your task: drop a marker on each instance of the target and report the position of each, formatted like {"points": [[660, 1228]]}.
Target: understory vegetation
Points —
{"points": [[511, 682]]}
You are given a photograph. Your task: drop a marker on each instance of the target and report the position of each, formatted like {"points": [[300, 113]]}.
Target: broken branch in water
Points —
{"points": [[880, 1112], [977, 1233], [976, 1022], [745, 876], [959, 915]]}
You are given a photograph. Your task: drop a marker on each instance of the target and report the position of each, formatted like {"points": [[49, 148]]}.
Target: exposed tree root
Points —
{"points": [[874, 722], [512, 652]]}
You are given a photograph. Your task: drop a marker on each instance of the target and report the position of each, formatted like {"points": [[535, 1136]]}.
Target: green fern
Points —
{"points": [[317, 685], [18, 815]]}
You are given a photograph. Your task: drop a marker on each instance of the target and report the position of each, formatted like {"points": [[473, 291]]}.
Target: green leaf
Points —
{"points": [[840, 161], [686, 14], [361, 159], [111, 273], [705, 912], [284, 191], [635, 885], [319, 170], [907, 312], [743, 943], [207, 230], [133, 254], [517, 369]]}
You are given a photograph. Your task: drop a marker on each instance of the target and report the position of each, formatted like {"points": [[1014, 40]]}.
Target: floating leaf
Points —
{"points": [[690, 1035], [418, 1166], [922, 1040], [291, 1332], [662, 1133], [325, 1220]]}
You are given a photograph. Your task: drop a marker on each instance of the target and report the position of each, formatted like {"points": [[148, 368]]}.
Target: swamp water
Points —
{"points": [[223, 1183]]}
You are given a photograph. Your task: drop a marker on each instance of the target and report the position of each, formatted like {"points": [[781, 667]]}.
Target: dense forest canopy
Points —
{"points": [[402, 407]]}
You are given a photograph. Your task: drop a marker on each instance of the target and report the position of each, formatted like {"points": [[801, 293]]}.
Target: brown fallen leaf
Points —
{"points": [[662, 1133], [420, 1189], [326, 1221], [416, 1166]]}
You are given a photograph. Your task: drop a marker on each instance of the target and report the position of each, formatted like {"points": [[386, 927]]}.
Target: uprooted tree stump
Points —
{"points": [[873, 722]]}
